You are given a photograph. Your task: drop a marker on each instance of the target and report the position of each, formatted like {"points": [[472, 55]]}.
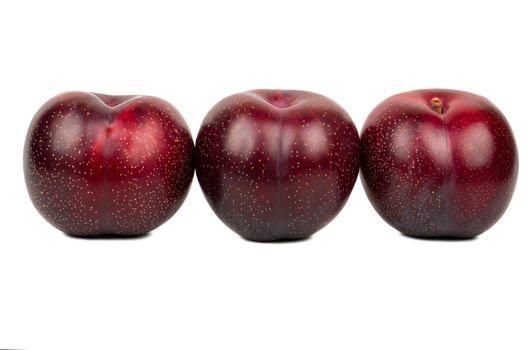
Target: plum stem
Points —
{"points": [[436, 105]]}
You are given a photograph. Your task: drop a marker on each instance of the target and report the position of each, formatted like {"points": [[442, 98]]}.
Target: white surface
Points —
{"points": [[194, 284]]}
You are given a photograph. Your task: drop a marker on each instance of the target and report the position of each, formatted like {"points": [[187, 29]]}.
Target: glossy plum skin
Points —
{"points": [[107, 165], [438, 163], [277, 165]]}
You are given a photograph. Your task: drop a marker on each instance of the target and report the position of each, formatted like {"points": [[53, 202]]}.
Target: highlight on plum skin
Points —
{"points": [[439, 163], [98, 165], [277, 164]]}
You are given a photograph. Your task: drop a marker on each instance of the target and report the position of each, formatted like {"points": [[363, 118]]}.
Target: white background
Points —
{"points": [[193, 283]]}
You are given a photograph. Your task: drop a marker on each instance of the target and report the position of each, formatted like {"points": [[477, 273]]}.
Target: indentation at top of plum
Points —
{"points": [[281, 100], [113, 101]]}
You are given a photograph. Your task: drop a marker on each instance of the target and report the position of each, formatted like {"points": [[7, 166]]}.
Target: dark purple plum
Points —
{"points": [[107, 165], [438, 163], [277, 165]]}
